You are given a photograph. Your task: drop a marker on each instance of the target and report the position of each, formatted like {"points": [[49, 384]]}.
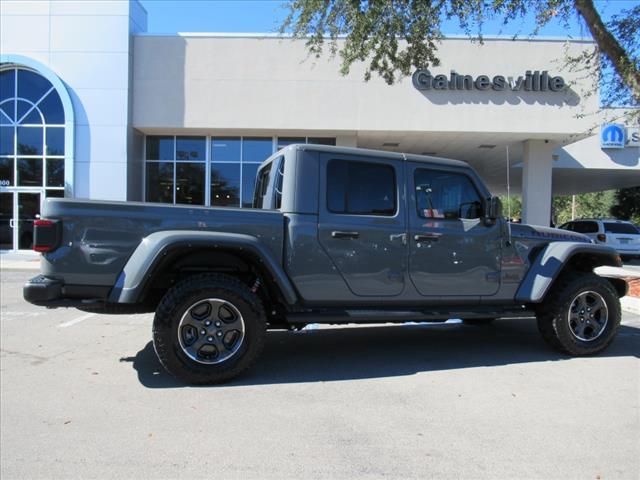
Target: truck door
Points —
{"points": [[452, 252], [362, 224]]}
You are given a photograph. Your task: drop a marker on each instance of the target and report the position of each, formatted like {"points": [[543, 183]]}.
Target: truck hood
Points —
{"points": [[547, 233]]}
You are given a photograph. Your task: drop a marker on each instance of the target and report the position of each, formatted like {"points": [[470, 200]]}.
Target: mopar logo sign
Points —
{"points": [[613, 136]]}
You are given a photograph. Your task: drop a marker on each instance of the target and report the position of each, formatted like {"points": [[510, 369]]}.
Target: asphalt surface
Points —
{"points": [[83, 396]]}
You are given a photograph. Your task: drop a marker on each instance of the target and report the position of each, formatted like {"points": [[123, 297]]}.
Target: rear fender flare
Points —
{"points": [[132, 281], [553, 260]]}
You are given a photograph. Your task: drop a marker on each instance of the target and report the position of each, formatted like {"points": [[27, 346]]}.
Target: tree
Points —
{"points": [[396, 36], [627, 204], [588, 205], [511, 206]]}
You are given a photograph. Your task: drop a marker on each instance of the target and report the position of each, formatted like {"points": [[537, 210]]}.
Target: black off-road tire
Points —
{"points": [[478, 321], [553, 314], [183, 296]]}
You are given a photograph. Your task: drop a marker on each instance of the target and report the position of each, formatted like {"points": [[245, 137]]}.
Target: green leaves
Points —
{"points": [[394, 37]]}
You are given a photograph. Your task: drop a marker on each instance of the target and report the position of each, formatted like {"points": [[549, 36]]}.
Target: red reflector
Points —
{"points": [[601, 237], [42, 223], [42, 248]]}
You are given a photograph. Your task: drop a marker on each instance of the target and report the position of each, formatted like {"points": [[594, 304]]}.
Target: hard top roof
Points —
{"points": [[375, 153]]}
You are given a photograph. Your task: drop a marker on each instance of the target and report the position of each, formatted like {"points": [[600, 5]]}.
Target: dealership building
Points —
{"points": [[92, 106]]}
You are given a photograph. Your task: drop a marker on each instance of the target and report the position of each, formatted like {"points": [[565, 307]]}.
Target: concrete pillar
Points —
{"points": [[536, 182]]}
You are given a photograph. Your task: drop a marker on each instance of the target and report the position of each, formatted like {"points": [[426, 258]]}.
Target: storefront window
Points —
{"points": [[249, 171], [159, 177], [256, 149], [285, 141], [191, 148], [32, 131], [176, 167], [225, 184], [175, 170], [190, 183], [225, 149]]}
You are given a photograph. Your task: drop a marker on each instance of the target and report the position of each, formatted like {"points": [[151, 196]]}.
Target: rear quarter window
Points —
{"points": [[610, 227]]}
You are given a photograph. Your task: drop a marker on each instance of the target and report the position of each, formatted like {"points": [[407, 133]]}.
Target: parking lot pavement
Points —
{"points": [[83, 396]]}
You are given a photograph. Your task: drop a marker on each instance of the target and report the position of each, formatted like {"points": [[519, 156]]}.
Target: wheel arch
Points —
{"points": [[183, 252], [561, 257]]}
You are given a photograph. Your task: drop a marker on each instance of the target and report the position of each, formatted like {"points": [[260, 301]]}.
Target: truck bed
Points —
{"points": [[98, 237]]}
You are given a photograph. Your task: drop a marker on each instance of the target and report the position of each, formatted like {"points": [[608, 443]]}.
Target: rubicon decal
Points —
{"points": [[531, 81]]}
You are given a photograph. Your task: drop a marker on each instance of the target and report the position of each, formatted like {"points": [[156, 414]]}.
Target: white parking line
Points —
{"points": [[77, 320]]}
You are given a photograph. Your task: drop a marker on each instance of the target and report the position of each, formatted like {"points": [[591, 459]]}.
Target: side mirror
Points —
{"points": [[494, 208]]}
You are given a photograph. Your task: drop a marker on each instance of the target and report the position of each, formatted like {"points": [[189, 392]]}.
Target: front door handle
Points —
{"points": [[426, 237], [399, 236], [341, 234]]}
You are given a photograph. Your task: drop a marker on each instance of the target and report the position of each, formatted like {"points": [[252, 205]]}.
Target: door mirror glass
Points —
{"points": [[494, 208]]}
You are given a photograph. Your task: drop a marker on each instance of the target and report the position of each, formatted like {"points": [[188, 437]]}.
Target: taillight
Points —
{"points": [[601, 237], [46, 235]]}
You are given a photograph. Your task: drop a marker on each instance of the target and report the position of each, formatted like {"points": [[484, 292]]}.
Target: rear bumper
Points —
{"points": [[41, 290], [50, 292]]}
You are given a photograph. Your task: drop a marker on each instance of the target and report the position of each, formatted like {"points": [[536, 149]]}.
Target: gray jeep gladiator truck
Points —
{"points": [[336, 235]]}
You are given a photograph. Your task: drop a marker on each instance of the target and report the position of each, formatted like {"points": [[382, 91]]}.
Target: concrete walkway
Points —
{"points": [[26, 260]]}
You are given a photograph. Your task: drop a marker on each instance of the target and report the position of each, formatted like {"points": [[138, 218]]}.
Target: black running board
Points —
{"points": [[400, 316]]}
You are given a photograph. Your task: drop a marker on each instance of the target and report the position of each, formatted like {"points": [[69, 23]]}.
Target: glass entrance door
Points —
{"points": [[18, 210], [28, 206], [6, 220]]}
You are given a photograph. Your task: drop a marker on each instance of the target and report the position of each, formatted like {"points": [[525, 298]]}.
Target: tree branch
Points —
{"points": [[609, 46]]}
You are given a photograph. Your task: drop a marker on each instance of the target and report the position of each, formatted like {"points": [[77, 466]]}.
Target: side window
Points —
{"points": [[446, 195], [261, 186], [361, 188], [585, 227], [279, 180]]}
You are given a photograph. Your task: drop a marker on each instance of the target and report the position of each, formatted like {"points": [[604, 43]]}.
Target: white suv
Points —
{"points": [[621, 235]]}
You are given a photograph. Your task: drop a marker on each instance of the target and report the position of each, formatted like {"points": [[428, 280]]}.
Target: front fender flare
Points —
{"points": [[552, 260], [149, 254]]}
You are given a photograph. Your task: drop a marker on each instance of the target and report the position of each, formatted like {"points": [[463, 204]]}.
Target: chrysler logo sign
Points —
{"points": [[615, 135], [535, 81], [612, 136]]}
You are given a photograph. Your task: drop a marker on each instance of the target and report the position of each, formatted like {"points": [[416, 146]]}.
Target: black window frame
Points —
{"points": [[396, 203], [263, 179]]}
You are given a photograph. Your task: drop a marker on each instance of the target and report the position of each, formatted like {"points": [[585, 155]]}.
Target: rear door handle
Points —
{"points": [[426, 237], [341, 234]]}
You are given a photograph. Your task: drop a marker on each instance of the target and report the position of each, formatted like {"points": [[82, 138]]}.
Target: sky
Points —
{"points": [[264, 16]]}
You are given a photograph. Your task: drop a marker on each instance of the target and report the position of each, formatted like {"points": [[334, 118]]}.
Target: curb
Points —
{"points": [[20, 265], [630, 304]]}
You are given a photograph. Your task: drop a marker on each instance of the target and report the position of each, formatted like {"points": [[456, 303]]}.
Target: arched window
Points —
{"points": [[32, 132]]}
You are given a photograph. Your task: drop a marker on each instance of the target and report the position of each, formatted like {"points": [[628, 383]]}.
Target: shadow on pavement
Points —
{"points": [[387, 351]]}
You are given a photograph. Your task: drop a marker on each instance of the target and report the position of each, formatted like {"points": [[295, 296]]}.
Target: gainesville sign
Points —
{"points": [[531, 81]]}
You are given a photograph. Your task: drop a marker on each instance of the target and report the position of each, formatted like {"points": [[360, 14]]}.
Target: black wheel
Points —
{"points": [[478, 321], [581, 315], [208, 329]]}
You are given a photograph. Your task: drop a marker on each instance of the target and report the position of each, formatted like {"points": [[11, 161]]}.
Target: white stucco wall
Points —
{"points": [[214, 82], [87, 44]]}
